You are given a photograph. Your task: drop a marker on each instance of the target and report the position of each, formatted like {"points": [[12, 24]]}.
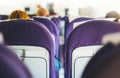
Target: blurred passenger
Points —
{"points": [[42, 12], [18, 14], [51, 9], [113, 14]]}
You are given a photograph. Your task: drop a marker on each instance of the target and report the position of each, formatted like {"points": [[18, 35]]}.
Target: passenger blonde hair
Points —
{"points": [[18, 14], [42, 12]]}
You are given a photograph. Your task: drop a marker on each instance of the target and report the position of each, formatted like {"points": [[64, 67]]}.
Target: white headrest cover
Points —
{"points": [[113, 38]]}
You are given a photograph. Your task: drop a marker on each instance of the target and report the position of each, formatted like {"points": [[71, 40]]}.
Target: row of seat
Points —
{"points": [[31, 37], [20, 35], [53, 24]]}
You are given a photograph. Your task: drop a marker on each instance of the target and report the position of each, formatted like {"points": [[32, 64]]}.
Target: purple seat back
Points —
{"points": [[53, 29], [48, 23], [31, 33], [69, 27], [4, 17], [87, 34], [56, 21], [11, 66]]}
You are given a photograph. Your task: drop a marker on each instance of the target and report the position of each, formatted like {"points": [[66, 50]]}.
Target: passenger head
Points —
{"points": [[18, 14], [113, 14], [42, 12]]}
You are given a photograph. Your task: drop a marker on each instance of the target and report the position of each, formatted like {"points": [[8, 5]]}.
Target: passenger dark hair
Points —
{"points": [[18, 14], [113, 14]]}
